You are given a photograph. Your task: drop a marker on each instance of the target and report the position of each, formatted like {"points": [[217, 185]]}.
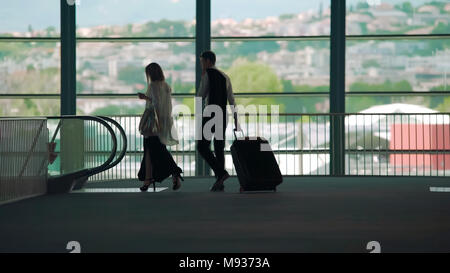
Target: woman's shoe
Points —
{"points": [[146, 185], [176, 182]]}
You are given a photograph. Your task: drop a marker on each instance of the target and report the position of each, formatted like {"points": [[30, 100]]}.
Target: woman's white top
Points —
{"points": [[160, 94]]}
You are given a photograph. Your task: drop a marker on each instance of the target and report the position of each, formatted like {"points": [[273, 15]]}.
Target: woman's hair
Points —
{"points": [[209, 55], [154, 72]]}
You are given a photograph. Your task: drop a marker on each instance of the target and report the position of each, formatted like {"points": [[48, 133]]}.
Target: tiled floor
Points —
{"points": [[305, 215]]}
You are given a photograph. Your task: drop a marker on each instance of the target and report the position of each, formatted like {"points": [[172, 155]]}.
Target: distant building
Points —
{"points": [[429, 9]]}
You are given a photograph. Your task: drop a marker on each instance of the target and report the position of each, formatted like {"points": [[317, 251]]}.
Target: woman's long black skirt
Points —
{"points": [[163, 164]]}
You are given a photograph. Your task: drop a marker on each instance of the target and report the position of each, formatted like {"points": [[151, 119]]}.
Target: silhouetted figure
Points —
{"points": [[216, 89], [157, 163]]}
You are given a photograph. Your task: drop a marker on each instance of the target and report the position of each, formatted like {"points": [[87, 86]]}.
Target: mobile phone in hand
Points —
{"points": [[142, 96]]}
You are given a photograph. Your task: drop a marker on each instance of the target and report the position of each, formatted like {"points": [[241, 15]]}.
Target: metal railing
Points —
{"points": [[82, 143], [88, 146], [23, 158], [375, 144]]}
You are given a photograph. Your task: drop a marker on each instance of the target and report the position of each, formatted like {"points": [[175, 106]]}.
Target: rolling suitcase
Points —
{"points": [[255, 164]]}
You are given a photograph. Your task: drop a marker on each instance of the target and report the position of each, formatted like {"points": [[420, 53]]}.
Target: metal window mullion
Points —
{"points": [[309, 140], [337, 85], [409, 145], [202, 43], [423, 147], [317, 145], [371, 141], [364, 144], [68, 59], [356, 146], [387, 144], [437, 146], [417, 148], [348, 144]]}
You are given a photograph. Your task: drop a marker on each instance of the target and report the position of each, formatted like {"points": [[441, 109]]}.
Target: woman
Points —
{"points": [[158, 163]]}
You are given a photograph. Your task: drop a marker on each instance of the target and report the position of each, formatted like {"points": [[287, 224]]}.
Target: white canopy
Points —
{"points": [[401, 108]]}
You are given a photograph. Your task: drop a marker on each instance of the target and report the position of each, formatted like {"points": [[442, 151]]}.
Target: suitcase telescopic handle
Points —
{"points": [[236, 130]]}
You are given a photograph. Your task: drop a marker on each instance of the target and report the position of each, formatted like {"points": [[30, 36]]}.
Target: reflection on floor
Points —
{"points": [[440, 189]]}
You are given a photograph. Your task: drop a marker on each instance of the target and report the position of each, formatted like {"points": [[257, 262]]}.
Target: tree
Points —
{"points": [[33, 81], [129, 30], [247, 49], [177, 48], [444, 106], [286, 16], [30, 67], [118, 110], [401, 86], [438, 102], [132, 75], [249, 76], [433, 45], [355, 104], [386, 86], [165, 28], [370, 63], [295, 45], [441, 28], [405, 7], [15, 51], [180, 87], [302, 103], [363, 26], [50, 31], [440, 88], [362, 5], [87, 66], [358, 103], [80, 87]]}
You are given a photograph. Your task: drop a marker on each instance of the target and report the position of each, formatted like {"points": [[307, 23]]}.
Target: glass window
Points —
{"points": [[405, 65], [395, 143], [275, 66], [397, 17], [110, 106], [30, 18], [119, 67], [270, 18], [288, 104], [409, 103], [136, 18], [121, 106], [30, 67], [29, 107]]}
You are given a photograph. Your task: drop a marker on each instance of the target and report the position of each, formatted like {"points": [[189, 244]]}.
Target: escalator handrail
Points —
{"points": [[124, 141], [105, 165]]}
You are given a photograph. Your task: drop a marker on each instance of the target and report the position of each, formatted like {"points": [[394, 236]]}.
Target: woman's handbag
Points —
{"points": [[149, 124]]}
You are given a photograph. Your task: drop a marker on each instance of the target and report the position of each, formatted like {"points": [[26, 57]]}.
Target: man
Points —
{"points": [[215, 89]]}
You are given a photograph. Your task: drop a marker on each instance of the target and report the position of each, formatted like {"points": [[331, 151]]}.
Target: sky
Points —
{"points": [[16, 15]]}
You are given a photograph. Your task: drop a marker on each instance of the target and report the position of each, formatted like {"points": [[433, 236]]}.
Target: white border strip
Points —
{"points": [[117, 190], [439, 189]]}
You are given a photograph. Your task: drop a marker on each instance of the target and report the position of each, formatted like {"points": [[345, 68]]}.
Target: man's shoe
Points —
{"points": [[218, 186]]}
